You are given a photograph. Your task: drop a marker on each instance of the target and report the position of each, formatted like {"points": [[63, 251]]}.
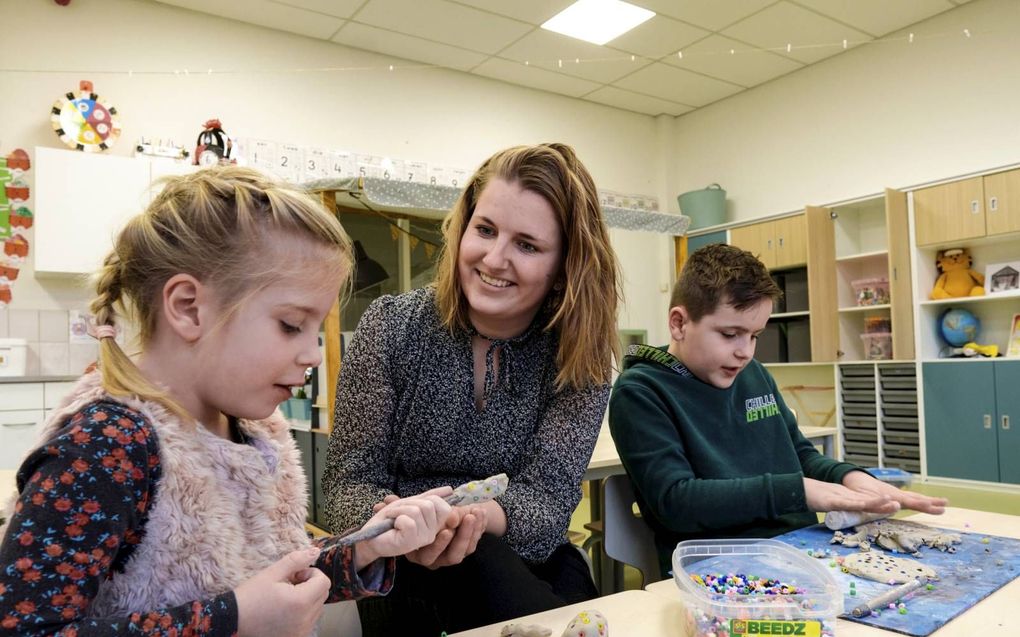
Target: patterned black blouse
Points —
{"points": [[406, 421], [82, 509]]}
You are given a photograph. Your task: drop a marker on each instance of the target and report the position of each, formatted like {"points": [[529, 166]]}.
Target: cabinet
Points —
{"points": [[879, 416], [23, 409], [779, 244], [83, 199], [968, 209], [975, 438]]}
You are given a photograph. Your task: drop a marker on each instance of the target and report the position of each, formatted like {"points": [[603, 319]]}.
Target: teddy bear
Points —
{"points": [[956, 278]]}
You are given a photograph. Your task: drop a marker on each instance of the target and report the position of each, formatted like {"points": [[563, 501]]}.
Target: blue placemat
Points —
{"points": [[974, 572]]}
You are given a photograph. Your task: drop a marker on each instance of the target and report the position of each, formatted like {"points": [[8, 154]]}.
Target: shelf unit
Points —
{"points": [[879, 414]]}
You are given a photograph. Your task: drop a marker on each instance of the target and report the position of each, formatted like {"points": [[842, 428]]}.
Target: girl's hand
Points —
{"points": [[826, 496], [866, 484], [459, 539], [283, 600], [416, 522]]}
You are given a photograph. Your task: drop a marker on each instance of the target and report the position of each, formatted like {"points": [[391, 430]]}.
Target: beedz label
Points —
{"points": [[768, 627]]}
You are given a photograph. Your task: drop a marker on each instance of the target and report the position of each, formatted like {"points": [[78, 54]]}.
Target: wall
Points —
{"points": [[889, 114], [432, 115]]}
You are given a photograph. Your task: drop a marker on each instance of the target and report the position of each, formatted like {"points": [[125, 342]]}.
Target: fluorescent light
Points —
{"points": [[597, 21]]}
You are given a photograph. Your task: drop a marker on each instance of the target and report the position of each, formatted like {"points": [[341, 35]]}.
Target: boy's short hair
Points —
{"points": [[720, 273]]}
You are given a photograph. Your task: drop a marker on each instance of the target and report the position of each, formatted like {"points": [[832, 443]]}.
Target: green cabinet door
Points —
{"points": [[959, 420], [702, 240], [1007, 394]]}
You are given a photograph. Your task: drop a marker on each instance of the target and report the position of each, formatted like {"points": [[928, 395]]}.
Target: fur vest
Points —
{"points": [[222, 511]]}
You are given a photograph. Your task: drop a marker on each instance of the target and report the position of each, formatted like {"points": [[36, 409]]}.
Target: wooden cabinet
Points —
{"points": [[968, 209], [970, 409], [779, 244]]}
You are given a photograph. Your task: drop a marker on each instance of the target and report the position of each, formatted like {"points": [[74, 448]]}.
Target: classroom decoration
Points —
{"points": [[958, 327], [1002, 277], [898, 536], [956, 278], [213, 146], [981, 565], [84, 121], [161, 148], [15, 219]]}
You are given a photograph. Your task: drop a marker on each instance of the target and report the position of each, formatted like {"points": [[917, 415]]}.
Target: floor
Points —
{"points": [[967, 498]]}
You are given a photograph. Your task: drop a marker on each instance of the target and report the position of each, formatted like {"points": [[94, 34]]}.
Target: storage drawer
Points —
{"points": [[899, 382], [902, 437], [858, 396], [19, 431], [861, 448], [900, 423], [899, 397], [857, 371], [858, 383], [860, 423], [859, 409], [900, 410], [860, 435], [21, 396], [861, 460], [907, 452], [897, 370], [913, 466], [55, 392]]}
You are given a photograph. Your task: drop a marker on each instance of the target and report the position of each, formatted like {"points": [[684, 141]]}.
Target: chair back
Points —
{"points": [[628, 538]]}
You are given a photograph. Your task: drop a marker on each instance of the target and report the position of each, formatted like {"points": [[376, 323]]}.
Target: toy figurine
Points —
{"points": [[956, 278]]}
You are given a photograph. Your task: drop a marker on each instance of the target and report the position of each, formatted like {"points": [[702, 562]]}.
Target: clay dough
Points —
{"points": [[880, 567], [588, 623], [524, 630], [898, 536]]}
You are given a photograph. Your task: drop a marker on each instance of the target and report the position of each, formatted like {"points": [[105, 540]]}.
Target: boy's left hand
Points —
{"points": [[866, 484]]}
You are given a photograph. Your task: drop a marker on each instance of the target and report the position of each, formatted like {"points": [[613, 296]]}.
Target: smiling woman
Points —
{"points": [[503, 366]]}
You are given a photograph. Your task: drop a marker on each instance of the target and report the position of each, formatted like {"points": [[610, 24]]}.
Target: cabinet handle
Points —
{"points": [[18, 425], [769, 244], [975, 206], [1005, 422], [988, 421], [993, 204], [780, 242]]}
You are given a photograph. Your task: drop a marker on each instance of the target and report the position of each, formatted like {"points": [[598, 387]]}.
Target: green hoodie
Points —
{"points": [[708, 462]]}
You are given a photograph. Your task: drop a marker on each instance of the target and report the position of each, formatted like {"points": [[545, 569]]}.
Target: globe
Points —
{"points": [[959, 327]]}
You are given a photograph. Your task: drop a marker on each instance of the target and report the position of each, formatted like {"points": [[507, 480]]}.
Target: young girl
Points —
{"points": [[502, 366], [166, 496]]}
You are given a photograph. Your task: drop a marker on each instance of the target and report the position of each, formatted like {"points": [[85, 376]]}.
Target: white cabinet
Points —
{"points": [[23, 409], [83, 200]]}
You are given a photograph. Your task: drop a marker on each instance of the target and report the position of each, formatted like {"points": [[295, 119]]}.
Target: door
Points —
{"points": [[1002, 202], [900, 296], [950, 213], [791, 241], [758, 239], [1007, 380], [821, 271], [959, 420]]}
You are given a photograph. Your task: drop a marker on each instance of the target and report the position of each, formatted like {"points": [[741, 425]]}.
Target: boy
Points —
{"points": [[708, 442]]}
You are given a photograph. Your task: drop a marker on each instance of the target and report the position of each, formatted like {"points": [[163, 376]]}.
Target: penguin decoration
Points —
{"points": [[213, 146]]}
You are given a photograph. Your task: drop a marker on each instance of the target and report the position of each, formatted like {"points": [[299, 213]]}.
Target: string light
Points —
{"points": [[789, 47], [966, 32], [844, 44], [391, 67], [561, 63], [680, 55], [911, 38]]}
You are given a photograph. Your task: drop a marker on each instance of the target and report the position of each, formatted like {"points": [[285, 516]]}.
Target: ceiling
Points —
{"points": [[727, 46]]}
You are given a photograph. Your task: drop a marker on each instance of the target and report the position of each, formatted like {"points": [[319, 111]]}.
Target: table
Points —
{"points": [[994, 615], [825, 435], [629, 614]]}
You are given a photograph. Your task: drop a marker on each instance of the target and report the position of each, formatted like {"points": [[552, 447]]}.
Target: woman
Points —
{"points": [[502, 366]]}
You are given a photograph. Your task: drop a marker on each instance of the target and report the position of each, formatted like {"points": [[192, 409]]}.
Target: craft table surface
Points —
{"points": [[997, 614], [629, 614]]}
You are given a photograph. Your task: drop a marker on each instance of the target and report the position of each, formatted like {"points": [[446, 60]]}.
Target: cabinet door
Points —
{"points": [[791, 241], [950, 212], [959, 420], [1002, 202], [900, 296], [303, 439], [821, 271], [1007, 380], [19, 431], [758, 239]]}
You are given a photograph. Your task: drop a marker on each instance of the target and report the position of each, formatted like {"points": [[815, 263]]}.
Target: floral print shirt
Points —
{"points": [[82, 508]]}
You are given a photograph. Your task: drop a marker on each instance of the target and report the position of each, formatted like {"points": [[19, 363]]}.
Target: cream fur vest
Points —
{"points": [[222, 511]]}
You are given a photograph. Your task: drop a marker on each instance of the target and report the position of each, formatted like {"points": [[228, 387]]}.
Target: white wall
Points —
{"points": [[432, 115], [889, 114]]}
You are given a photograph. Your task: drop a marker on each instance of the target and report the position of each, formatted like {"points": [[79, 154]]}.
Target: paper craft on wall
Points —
{"points": [[15, 219], [84, 121]]}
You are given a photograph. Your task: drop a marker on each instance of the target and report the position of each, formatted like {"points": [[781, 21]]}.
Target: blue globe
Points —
{"points": [[959, 327]]}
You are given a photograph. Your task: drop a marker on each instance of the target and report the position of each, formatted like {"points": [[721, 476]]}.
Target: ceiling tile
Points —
{"points": [[878, 17], [745, 66], [362, 36], [546, 50], [677, 85], [657, 37], [267, 14], [531, 11], [445, 22], [337, 8], [612, 96], [517, 73], [708, 14], [812, 36]]}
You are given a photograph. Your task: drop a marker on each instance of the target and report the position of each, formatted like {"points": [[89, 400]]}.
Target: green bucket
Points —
{"points": [[705, 207]]}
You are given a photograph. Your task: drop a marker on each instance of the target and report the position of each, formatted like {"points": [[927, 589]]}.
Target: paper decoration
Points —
{"points": [[84, 121], [15, 219]]}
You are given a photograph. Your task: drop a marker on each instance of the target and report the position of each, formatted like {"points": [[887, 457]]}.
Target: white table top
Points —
{"points": [[997, 614], [629, 614]]}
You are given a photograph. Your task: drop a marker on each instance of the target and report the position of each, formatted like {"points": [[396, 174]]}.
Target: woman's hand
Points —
{"points": [[826, 496], [284, 599], [866, 484], [459, 539], [416, 522]]}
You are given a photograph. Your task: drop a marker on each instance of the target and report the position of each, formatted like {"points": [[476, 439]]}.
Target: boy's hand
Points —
{"points": [[416, 522], [866, 484], [284, 599], [826, 496]]}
